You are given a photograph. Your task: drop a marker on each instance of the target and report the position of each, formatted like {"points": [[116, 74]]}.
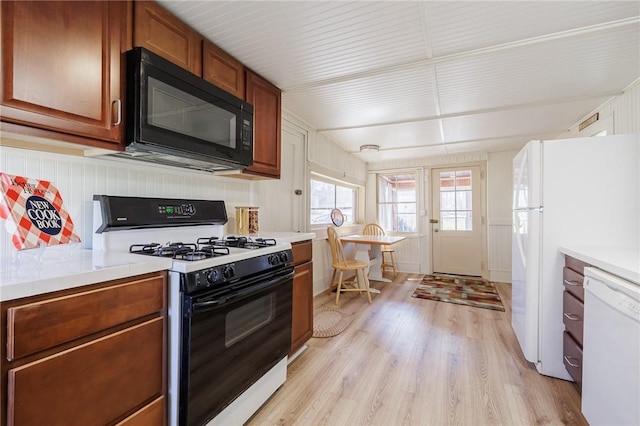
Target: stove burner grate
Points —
{"points": [[245, 242], [178, 251], [204, 248]]}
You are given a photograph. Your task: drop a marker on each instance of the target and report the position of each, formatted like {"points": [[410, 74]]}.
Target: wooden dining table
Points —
{"points": [[368, 248]]}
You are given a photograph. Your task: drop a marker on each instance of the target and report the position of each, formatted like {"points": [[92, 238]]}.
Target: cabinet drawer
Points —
{"points": [[573, 358], [573, 316], [40, 325], [91, 384], [573, 283], [302, 252], [151, 414], [575, 264]]}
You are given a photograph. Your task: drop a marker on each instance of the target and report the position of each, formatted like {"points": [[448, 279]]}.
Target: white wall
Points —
{"points": [[499, 182], [326, 157]]}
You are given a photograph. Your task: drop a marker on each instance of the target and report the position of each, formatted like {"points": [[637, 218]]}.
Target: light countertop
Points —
{"points": [[291, 237], [63, 269], [30, 273], [623, 262]]}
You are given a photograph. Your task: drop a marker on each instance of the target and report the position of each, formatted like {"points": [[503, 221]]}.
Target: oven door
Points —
{"points": [[231, 338]]}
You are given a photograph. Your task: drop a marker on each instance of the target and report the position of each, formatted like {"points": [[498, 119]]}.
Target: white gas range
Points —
{"points": [[229, 303]]}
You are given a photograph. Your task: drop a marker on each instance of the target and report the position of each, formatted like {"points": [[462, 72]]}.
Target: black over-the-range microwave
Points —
{"points": [[176, 118]]}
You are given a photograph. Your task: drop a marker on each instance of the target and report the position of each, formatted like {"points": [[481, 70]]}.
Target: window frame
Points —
{"points": [[351, 219], [416, 179]]}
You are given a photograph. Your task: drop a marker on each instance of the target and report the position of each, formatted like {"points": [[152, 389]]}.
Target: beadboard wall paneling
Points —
{"points": [[325, 155], [499, 191], [328, 155], [437, 160], [79, 178], [499, 202], [625, 110], [499, 248], [411, 254]]}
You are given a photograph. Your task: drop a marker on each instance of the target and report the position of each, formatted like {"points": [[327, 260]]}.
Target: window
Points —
{"points": [[327, 195], [455, 201], [397, 205]]}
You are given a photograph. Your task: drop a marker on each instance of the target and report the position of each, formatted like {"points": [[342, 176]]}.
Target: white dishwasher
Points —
{"points": [[611, 350]]}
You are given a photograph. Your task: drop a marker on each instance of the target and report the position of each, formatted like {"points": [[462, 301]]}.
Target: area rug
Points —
{"points": [[461, 290], [329, 321]]}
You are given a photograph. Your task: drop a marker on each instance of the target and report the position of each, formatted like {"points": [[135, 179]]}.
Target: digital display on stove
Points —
{"points": [[139, 212], [179, 210]]}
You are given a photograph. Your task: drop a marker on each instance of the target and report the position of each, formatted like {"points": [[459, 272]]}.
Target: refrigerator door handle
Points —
{"points": [[530, 209], [518, 238]]}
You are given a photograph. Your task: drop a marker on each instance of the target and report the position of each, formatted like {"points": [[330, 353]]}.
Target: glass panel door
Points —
{"points": [[456, 213]]}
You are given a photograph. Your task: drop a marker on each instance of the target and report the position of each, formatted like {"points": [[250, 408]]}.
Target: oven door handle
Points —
{"points": [[211, 304]]}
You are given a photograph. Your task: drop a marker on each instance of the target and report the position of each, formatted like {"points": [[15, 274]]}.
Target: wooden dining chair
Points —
{"points": [[341, 264], [375, 229]]}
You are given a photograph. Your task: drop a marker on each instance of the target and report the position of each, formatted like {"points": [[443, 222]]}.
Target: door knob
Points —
{"points": [[436, 230]]}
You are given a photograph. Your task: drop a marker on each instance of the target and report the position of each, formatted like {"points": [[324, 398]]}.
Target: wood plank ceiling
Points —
{"points": [[431, 77]]}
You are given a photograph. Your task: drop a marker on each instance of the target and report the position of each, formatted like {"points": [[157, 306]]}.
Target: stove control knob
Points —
{"points": [[273, 259], [228, 272], [213, 276], [283, 256]]}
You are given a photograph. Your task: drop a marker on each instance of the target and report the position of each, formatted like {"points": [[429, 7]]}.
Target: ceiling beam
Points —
{"points": [[477, 112], [524, 136]]}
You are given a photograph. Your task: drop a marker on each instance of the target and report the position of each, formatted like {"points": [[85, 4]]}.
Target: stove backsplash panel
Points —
{"points": [[79, 178]]}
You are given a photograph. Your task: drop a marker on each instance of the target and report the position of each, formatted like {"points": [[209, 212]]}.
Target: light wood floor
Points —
{"points": [[406, 361]]}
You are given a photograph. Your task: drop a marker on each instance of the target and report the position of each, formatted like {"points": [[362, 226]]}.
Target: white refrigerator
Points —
{"points": [[582, 191]]}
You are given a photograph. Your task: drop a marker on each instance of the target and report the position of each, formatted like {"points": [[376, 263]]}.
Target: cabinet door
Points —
{"points": [[92, 384], [61, 66], [266, 100], [222, 69], [302, 315], [156, 29]]}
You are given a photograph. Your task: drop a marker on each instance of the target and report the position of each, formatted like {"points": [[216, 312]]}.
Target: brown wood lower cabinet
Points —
{"points": [[101, 359], [302, 315], [573, 317], [149, 415]]}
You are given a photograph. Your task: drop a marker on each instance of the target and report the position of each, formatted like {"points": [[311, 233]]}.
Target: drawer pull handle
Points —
{"points": [[572, 317], [569, 359], [572, 283]]}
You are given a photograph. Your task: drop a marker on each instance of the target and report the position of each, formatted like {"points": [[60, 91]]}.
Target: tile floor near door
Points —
{"points": [[406, 361]]}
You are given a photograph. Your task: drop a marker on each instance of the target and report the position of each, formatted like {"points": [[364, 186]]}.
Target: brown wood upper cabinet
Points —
{"points": [[61, 69], [221, 69], [267, 103], [157, 30]]}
